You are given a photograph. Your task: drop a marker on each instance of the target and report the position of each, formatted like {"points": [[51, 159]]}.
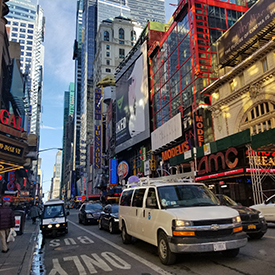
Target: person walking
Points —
{"points": [[34, 212], [7, 221]]}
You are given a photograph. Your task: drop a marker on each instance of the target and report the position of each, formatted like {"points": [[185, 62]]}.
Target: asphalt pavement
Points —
{"points": [[18, 260]]}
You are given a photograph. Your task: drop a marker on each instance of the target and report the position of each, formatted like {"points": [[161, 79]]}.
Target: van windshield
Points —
{"points": [[186, 196], [53, 211]]}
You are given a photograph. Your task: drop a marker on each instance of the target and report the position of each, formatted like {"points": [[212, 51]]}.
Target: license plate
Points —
{"points": [[252, 226], [219, 246]]}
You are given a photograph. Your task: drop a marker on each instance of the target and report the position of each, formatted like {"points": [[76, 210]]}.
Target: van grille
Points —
{"points": [[216, 233], [210, 222]]}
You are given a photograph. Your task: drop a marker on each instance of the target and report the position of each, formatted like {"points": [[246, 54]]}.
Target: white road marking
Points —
{"points": [[127, 252]]}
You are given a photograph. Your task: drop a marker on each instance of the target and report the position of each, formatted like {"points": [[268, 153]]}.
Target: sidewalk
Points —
{"points": [[18, 260]]}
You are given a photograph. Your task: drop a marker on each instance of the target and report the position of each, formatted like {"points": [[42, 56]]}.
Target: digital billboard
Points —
{"points": [[132, 106]]}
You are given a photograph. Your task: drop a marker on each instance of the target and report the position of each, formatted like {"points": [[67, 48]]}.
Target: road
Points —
{"points": [[88, 250]]}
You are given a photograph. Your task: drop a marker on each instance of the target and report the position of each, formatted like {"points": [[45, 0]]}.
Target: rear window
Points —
{"points": [[125, 199]]}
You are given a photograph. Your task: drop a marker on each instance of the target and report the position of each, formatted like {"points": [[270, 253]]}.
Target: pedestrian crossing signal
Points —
{"points": [[152, 165]]}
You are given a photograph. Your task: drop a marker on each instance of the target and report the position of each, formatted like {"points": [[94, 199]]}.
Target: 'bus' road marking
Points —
{"points": [[127, 252]]}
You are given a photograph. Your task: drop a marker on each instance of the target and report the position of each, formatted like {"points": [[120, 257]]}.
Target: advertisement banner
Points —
{"points": [[132, 106], [97, 147]]}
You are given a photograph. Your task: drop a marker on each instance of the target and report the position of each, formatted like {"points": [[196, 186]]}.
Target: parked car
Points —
{"points": [[267, 208], [109, 218], [89, 212], [253, 221]]}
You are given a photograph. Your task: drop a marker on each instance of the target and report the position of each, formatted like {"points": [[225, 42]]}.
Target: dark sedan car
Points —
{"points": [[109, 218], [89, 213], [253, 221]]}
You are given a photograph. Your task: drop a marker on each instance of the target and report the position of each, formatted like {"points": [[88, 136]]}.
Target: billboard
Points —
{"points": [[132, 101], [248, 27]]}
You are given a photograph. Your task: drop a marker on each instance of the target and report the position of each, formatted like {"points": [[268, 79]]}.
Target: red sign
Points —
{"points": [[10, 120], [226, 161], [83, 198]]}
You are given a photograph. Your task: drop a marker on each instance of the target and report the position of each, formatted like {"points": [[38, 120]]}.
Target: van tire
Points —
{"points": [[231, 253], [165, 255], [126, 238]]}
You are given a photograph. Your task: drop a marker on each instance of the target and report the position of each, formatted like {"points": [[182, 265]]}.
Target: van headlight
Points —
{"points": [[182, 223], [57, 225], [50, 226], [237, 219]]}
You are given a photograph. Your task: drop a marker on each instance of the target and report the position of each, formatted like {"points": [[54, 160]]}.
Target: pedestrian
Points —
{"points": [[34, 212], [7, 221]]}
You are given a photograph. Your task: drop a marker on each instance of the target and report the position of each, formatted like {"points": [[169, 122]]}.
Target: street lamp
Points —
{"points": [[47, 149]]}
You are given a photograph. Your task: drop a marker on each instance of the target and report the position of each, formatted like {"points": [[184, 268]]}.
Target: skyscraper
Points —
{"points": [[26, 26], [89, 14]]}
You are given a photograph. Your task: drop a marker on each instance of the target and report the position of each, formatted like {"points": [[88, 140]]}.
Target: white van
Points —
{"points": [[179, 217], [54, 218]]}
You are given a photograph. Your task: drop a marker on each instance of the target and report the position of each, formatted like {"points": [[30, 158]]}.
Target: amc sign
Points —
{"points": [[219, 161]]}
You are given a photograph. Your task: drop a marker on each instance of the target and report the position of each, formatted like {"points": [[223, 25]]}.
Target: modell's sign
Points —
{"points": [[10, 120]]}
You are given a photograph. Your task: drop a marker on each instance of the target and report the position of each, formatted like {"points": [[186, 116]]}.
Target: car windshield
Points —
{"points": [[53, 211], [186, 196], [114, 209], [93, 206]]}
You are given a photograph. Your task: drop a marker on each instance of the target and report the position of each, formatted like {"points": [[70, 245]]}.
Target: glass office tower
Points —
{"points": [[184, 63]]}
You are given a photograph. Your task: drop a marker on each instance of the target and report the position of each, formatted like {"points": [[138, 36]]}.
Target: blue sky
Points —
{"points": [[58, 73]]}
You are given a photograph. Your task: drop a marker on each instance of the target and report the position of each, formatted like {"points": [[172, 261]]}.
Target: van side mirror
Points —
{"points": [[150, 203], [68, 213]]}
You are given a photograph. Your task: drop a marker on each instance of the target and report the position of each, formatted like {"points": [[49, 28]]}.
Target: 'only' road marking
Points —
{"points": [[127, 252]]}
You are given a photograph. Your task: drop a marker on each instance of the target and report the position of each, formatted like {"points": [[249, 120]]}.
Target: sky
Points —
{"points": [[59, 66]]}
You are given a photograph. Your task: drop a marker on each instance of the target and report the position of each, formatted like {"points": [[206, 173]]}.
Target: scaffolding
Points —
{"points": [[258, 174]]}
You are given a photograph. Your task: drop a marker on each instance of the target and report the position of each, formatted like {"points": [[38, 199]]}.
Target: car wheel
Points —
{"points": [[126, 238], [100, 224], [79, 220], [231, 253], [165, 255], [256, 236], [111, 227], [85, 221]]}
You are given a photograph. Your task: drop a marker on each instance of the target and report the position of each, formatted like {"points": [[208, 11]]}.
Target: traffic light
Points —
{"points": [[152, 165]]}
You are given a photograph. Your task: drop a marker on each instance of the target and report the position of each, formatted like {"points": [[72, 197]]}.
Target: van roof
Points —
{"points": [[54, 201], [158, 183]]}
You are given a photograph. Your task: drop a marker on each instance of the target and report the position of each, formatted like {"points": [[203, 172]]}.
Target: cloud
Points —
{"points": [[50, 127]]}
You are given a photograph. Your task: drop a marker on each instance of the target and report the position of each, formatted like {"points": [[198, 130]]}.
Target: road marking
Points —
{"points": [[269, 237], [127, 252]]}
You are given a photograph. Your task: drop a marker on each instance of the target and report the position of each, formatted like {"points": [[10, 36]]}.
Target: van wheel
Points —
{"points": [[165, 255], [126, 238], [231, 253]]}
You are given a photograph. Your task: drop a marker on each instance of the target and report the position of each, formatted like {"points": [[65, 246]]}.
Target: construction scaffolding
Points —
{"points": [[258, 174]]}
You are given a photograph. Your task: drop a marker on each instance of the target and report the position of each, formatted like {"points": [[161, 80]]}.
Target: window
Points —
{"points": [[22, 30], [31, 26], [29, 42], [232, 86], [241, 80], [265, 65], [107, 47], [121, 53], [23, 24], [133, 36], [108, 70], [14, 29], [107, 54], [121, 33], [121, 42], [107, 62], [126, 198], [106, 36], [138, 197]]}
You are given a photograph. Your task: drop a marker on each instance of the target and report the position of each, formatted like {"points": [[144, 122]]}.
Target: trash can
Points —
{"points": [[19, 221]]}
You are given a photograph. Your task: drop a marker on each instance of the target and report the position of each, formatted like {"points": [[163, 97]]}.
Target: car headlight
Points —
{"points": [[89, 215], [261, 215], [182, 223], [237, 219], [116, 220]]}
